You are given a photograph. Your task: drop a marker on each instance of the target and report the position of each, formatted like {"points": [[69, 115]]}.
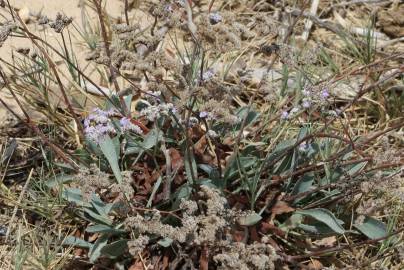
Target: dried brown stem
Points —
{"points": [[105, 38]]}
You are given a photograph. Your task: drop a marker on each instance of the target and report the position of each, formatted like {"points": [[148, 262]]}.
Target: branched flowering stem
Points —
{"points": [[104, 33]]}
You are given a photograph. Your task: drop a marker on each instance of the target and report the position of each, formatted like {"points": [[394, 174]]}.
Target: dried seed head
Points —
{"points": [[60, 22]]}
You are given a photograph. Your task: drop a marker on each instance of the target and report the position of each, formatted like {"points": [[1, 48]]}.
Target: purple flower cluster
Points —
{"points": [[325, 94], [312, 96], [284, 115], [215, 18], [208, 75], [303, 147], [98, 125], [287, 115], [127, 125]]}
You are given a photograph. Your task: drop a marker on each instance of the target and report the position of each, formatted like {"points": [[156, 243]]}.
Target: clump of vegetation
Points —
{"points": [[207, 147]]}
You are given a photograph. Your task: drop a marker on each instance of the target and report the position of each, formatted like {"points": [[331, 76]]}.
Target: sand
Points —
{"points": [[28, 10]]}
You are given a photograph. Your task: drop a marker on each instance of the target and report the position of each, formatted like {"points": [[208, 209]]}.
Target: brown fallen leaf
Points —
{"points": [[268, 227], [315, 265], [279, 208], [200, 146], [326, 242], [177, 162]]}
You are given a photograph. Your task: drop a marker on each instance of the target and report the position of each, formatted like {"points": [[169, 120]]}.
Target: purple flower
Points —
{"points": [[306, 103], [168, 8], [98, 124], [127, 125], [125, 122], [99, 132], [303, 147], [284, 115], [215, 18], [203, 114], [208, 75], [325, 94]]}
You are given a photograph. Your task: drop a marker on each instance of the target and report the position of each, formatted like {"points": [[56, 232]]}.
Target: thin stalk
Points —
{"points": [[105, 38]]}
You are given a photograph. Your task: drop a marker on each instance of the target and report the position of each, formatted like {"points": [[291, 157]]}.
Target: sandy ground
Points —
{"points": [[28, 10]]}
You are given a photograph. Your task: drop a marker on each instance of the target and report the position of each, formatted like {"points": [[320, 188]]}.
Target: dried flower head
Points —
{"points": [[153, 112], [60, 22], [5, 31], [137, 245]]}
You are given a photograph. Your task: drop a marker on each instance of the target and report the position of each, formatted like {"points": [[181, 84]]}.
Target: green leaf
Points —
{"points": [[324, 216], [59, 180], [128, 101], [95, 250], [155, 188], [279, 150], [292, 222], [101, 207], [211, 171], [304, 184], [98, 218], [232, 170], [101, 228], [166, 242], [76, 242], [115, 249], [133, 150], [304, 131], [356, 168], [109, 150], [372, 228], [317, 228], [74, 195], [249, 220], [251, 117], [152, 138], [286, 164]]}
